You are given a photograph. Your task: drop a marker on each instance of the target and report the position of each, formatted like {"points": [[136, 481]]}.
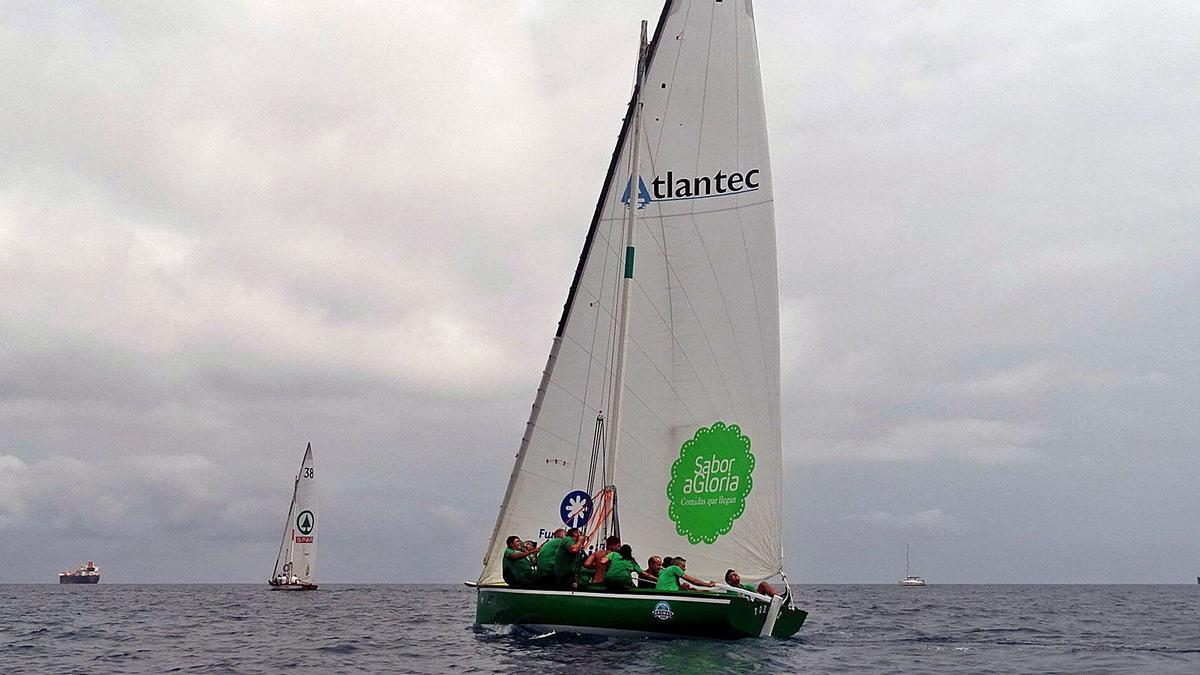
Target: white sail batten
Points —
{"points": [[298, 548], [700, 466]]}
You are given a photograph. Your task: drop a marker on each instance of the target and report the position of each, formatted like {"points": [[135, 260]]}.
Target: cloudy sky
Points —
{"points": [[229, 229]]}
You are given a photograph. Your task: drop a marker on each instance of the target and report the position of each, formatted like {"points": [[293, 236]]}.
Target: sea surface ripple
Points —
{"points": [[428, 629]]}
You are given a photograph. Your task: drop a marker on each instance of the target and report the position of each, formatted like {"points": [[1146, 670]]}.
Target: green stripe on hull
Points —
{"points": [[657, 613]]}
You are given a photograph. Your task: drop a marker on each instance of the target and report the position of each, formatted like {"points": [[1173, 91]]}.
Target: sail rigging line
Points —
{"points": [[712, 352], [674, 71], [666, 380], [573, 395], [734, 400], [706, 212], [556, 344], [670, 325], [530, 425], [683, 289], [737, 94], [547, 431], [606, 385], [695, 226], [597, 453], [606, 190], [603, 503], [671, 328], [598, 303], [668, 269], [628, 229], [652, 153], [287, 524], [753, 282]]}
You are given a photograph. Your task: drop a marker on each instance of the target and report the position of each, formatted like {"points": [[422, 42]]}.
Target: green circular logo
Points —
{"points": [[305, 522], [710, 482]]}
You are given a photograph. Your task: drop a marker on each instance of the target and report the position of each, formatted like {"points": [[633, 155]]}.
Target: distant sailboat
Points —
{"points": [[296, 564], [910, 579]]}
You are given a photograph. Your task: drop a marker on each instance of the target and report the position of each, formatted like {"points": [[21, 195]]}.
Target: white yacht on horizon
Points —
{"points": [[910, 579]]}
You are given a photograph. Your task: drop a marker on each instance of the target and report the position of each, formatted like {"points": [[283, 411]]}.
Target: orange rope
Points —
{"points": [[602, 512]]}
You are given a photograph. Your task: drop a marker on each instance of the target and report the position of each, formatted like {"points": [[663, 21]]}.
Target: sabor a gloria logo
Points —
{"points": [[662, 612], [710, 482]]}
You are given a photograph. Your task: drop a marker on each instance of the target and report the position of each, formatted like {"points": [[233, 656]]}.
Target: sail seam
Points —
{"points": [[705, 212], [671, 324], [733, 400]]}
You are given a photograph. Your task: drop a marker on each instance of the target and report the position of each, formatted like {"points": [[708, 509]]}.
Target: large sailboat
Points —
{"points": [[662, 383], [296, 564]]}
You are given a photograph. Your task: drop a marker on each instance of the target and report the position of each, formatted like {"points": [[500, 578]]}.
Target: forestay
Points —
{"points": [[698, 473], [298, 550]]}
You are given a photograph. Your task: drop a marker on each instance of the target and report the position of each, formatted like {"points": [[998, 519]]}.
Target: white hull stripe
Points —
{"points": [[591, 630], [613, 596]]}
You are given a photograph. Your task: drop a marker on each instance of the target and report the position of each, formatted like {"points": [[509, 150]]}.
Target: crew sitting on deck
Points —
{"points": [[546, 557], [566, 559], [669, 577], [649, 576], [667, 562], [732, 578], [596, 564], [622, 570], [517, 570]]}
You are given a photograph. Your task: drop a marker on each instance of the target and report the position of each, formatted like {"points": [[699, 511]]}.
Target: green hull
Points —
{"points": [[636, 613]]}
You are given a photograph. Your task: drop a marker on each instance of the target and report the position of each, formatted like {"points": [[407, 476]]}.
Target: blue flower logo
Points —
{"points": [[576, 509]]}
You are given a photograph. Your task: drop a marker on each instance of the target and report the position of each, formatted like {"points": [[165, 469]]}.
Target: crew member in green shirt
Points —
{"points": [[597, 563], [732, 578], [668, 577], [623, 570], [517, 570], [546, 557], [566, 559]]}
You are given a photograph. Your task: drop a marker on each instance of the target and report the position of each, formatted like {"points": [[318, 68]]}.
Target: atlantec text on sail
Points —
{"points": [[703, 186], [672, 188]]}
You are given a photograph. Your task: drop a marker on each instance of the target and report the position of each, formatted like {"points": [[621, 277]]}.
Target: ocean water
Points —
{"points": [[428, 629]]}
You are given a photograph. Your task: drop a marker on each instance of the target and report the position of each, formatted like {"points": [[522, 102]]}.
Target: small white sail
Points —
{"points": [[298, 550], [699, 467]]}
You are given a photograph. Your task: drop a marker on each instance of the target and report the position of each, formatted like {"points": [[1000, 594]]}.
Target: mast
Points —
{"points": [[614, 432], [906, 574], [285, 554]]}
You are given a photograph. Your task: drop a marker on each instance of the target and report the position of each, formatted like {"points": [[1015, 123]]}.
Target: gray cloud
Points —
{"points": [[227, 230]]}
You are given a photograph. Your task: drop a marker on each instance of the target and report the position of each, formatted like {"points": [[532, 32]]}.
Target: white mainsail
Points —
{"points": [[298, 550], [702, 354]]}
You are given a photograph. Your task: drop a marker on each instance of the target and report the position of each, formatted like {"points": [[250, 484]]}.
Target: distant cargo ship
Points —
{"points": [[87, 574]]}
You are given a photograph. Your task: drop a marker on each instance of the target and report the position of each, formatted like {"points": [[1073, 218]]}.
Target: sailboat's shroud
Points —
{"points": [[703, 336]]}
